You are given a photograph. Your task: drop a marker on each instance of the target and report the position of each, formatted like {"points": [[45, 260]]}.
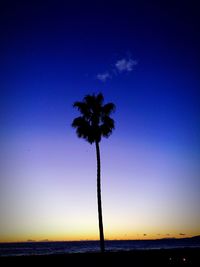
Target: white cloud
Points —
{"points": [[103, 77], [121, 66], [125, 64]]}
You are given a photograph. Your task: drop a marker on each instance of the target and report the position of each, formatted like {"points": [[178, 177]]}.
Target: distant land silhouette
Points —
{"points": [[163, 238]]}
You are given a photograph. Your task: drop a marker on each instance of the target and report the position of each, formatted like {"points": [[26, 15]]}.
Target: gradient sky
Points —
{"points": [[145, 58]]}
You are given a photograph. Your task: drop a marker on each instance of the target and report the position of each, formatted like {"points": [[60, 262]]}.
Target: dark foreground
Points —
{"points": [[163, 257]]}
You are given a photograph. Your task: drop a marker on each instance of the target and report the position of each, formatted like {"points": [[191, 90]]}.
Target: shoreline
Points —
{"points": [[147, 257]]}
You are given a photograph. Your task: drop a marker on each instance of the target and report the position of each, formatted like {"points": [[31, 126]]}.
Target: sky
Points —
{"points": [[143, 56]]}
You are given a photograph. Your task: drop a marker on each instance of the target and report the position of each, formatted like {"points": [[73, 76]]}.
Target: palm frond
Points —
{"points": [[89, 100], [82, 126], [105, 131], [95, 120], [107, 127], [108, 108], [78, 122], [108, 121], [100, 99], [82, 107]]}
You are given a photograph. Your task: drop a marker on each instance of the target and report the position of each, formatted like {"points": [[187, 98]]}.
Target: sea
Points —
{"points": [[46, 248]]}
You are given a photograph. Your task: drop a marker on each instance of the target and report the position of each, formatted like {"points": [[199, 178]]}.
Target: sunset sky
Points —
{"points": [[142, 56]]}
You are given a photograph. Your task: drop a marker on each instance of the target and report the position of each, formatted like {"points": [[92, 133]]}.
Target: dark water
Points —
{"points": [[41, 248]]}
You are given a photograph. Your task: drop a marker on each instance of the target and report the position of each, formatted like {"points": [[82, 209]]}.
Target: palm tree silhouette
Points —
{"points": [[93, 124]]}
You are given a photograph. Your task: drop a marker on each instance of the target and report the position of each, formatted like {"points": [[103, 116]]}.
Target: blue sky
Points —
{"points": [[145, 58]]}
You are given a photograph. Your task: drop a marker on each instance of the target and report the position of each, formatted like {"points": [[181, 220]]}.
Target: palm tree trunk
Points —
{"points": [[101, 234]]}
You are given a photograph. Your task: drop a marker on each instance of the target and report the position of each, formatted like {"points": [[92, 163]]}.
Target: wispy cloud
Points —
{"points": [[121, 66], [125, 64], [103, 77], [181, 234]]}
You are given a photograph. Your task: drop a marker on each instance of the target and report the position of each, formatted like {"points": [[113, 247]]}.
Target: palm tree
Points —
{"points": [[93, 124]]}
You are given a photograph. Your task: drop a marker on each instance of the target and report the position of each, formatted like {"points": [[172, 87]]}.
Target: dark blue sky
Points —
{"points": [[50, 46], [51, 53]]}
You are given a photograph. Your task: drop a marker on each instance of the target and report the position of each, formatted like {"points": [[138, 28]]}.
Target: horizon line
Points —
{"points": [[96, 240]]}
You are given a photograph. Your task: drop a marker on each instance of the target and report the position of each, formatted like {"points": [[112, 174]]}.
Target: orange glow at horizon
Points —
{"points": [[92, 236]]}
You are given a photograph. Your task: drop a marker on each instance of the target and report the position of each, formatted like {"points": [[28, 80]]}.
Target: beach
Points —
{"points": [[154, 257]]}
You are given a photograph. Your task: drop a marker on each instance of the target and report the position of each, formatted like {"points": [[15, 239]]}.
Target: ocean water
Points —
{"points": [[42, 248]]}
